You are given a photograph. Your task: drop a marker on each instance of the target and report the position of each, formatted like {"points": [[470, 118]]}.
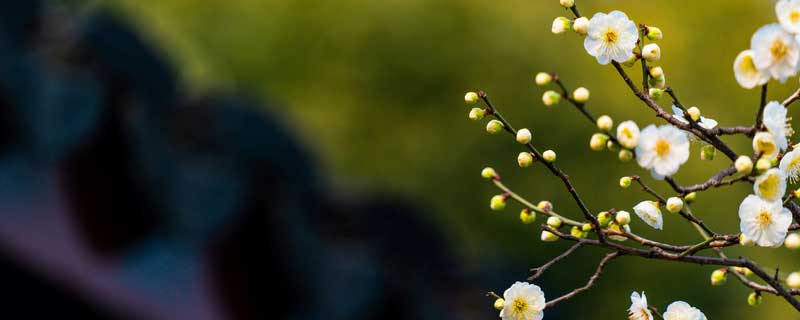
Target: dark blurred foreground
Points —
{"points": [[123, 197]]}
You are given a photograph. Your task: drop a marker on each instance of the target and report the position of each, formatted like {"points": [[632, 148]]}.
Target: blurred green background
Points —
{"points": [[376, 87]]}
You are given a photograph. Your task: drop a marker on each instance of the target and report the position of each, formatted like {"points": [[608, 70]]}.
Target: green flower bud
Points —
{"points": [[549, 156], [499, 304], [796, 193], [548, 236], [605, 123], [494, 127], [694, 113], [527, 216], [656, 72], [623, 218], [587, 227], [660, 82], [625, 182], [488, 173], [743, 164], [543, 78], [656, 93], [554, 222], [690, 197], [625, 155], [719, 277], [598, 141], [551, 98], [604, 218], [754, 299], [763, 164], [471, 97], [498, 202], [477, 114], [707, 152], [577, 232], [524, 159], [630, 62], [654, 33]]}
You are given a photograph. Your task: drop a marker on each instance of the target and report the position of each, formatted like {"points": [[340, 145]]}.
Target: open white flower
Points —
{"points": [[680, 310], [747, 75], [638, 309], [704, 122], [611, 37], [775, 51], [764, 143], [628, 134], [764, 222], [790, 165], [650, 213], [523, 301], [777, 123], [789, 15], [662, 150], [771, 185]]}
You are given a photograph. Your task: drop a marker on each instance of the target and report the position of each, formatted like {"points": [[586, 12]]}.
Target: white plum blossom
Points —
{"points": [[610, 37], [628, 134], [764, 144], [788, 12], [523, 301], [777, 123], [771, 185], [649, 212], [747, 75], [790, 165], [638, 309], [662, 150], [764, 222], [680, 310], [704, 122], [775, 51]]}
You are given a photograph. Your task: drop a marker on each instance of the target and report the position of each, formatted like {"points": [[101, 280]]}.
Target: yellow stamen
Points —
{"points": [[794, 16], [662, 147], [778, 49], [764, 218], [769, 187], [611, 36]]}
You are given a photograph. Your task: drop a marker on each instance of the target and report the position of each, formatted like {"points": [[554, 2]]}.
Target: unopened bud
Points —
{"points": [[499, 304], [494, 127], [523, 136], [551, 98], [581, 95], [694, 113], [527, 216], [549, 155], [545, 205], [660, 82], [625, 155], [651, 52], [498, 202], [690, 197], [560, 25], [477, 114], [656, 93], [598, 141], [488, 173], [743, 165], [554, 222], [604, 218], [656, 72], [581, 26], [470, 97], [577, 232], [708, 152], [587, 227], [654, 33], [543, 78], [567, 3], [792, 241], [623, 218], [524, 159], [719, 277], [605, 123], [754, 299], [674, 204], [548, 236], [793, 280], [625, 182]]}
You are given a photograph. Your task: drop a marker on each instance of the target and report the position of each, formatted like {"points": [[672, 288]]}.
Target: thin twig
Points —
{"points": [[537, 272], [597, 273]]}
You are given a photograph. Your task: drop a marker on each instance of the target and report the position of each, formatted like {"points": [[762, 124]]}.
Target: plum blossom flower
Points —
{"points": [[788, 12], [790, 165], [747, 75], [764, 222], [610, 37], [638, 309], [649, 212], [523, 301], [777, 123], [662, 150], [771, 185], [704, 122], [628, 134], [775, 51], [680, 310], [764, 143]]}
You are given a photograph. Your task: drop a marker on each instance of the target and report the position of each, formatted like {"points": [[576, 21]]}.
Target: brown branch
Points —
{"points": [[537, 272], [684, 213], [589, 284], [794, 97], [761, 105], [715, 181]]}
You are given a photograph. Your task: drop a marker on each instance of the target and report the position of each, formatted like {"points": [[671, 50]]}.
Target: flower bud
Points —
{"points": [[587, 227], [551, 98], [656, 72], [651, 52], [548, 236], [524, 159], [499, 304], [763, 164], [605, 123], [745, 241], [545, 206], [754, 299], [554, 222], [471, 97], [494, 127], [616, 227], [796, 193], [477, 114], [654, 33], [543, 78], [694, 113], [708, 152], [689, 198], [581, 95], [549, 156], [743, 271], [625, 155], [567, 3], [743, 165], [623, 218], [581, 26], [793, 280], [577, 232], [630, 62], [560, 25], [488, 173], [527, 216], [674, 204], [498, 202], [792, 241], [625, 182], [719, 277], [604, 218], [656, 93], [598, 141], [523, 136], [660, 82]]}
